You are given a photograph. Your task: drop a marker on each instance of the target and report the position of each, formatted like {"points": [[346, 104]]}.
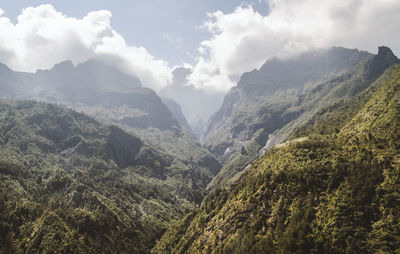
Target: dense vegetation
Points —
{"points": [[334, 187], [113, 97], [328, 182], [268, 99], [277, 111], [70, 184]]}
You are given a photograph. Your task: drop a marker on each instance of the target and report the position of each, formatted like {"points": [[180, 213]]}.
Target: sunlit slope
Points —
{"points": [[335, 189], [262, 119]]}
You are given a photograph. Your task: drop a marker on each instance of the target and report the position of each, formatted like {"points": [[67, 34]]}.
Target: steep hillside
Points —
{"points": [[111, 96], [345, 86], [176, 111], [269, 103], [93, 86], [333, 187], [72, 185], [197, 104], [102, 91]]}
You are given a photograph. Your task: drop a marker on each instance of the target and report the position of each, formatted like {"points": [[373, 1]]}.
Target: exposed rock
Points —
{"points": [[176, 111]]}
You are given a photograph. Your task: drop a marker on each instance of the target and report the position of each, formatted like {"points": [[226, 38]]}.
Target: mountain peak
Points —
{"points": [[308, 67], [384, 51], [180, 74], [386, 54], [65, 65], [383, 60]]}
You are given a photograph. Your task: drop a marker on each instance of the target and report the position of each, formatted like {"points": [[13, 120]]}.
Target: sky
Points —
{"points": [[169, 29], [217, 40]]}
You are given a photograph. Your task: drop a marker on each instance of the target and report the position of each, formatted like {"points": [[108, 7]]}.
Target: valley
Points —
{"points": [[301, 157]]}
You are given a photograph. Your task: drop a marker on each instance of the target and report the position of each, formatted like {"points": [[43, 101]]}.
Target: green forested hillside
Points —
{"points": [[69, 184], [266, 118], [113, 97], [333, 187], [72, 185], [268, 99]]}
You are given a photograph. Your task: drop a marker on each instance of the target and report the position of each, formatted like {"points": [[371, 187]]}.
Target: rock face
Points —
{"points": [[197, 105], [93, 87], [267, 104], [276, 83], [176, 111], [103, 92], [383, 60]]}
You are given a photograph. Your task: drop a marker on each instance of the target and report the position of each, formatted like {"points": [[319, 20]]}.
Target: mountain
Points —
{"points": [[92, 84], [176, 111], [197, 104], [331, 187], [92, 74], [268, 99], [71, 184], [309, 147], [114, 97]]}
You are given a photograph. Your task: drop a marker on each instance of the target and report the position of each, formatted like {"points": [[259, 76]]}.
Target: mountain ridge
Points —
{"points": [[325, 191], [70, 183], [277, 113], [310, 162], [113, 97]]}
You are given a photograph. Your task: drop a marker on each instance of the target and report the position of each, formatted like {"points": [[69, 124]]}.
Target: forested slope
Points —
{"points": [[278, 95], [69, 184], [333, 187]]}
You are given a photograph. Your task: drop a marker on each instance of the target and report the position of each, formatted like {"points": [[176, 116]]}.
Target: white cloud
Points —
{"points": [[242, 40], [43, 37]]}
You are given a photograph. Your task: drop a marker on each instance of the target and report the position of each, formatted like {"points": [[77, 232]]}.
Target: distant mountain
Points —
{"points": [[90, 75], [94, 85], [198, 127], [197, 105], [266, 100], [111, 96], [331, 187], [70, 184], [176, 111], [309, 147]]}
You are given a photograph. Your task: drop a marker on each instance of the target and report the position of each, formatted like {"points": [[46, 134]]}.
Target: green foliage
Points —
{"points": [[268, 104], [336, 191], [144, 117], [69, 184]]}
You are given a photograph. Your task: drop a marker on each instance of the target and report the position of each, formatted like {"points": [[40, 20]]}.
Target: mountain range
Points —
{"points": [[302, 157], [331, 187], [267, 104], [113, 97]]}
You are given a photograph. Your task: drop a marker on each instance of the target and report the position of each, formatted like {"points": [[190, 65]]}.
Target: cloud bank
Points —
{"points": [[242, 40], [43, 37], [239, 41]]}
